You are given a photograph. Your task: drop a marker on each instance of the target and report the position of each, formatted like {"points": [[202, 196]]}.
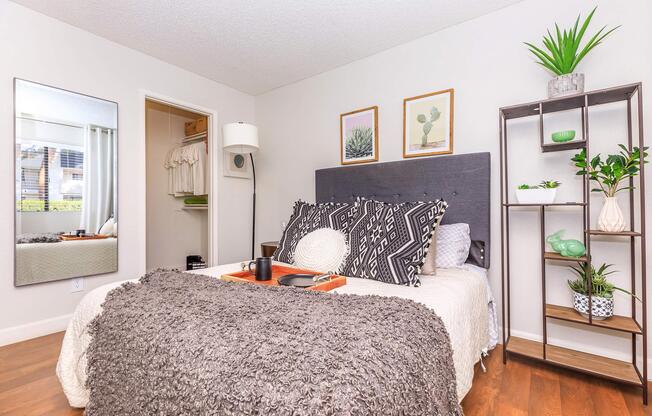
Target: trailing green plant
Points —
{"points": [[359, 143], [600, 286], [549, 184], [427, 124], [563, 53], [526, 186], [612, 171]]}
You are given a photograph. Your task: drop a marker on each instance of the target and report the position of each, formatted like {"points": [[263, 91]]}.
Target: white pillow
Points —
{"points": [[109, 227], [322, 250], [450, 248]]}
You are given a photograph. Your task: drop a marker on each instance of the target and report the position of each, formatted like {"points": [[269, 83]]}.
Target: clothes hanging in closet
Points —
{"points": [[186, 167]]}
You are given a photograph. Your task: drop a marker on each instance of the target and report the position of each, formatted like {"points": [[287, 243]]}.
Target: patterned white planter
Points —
{"points": [[602, 308], [567, 84]]}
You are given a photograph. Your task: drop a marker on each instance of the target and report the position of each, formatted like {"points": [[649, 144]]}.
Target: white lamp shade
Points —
{"points": [[240, 137]]}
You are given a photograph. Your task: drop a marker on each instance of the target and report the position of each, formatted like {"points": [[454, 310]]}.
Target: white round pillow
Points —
{"points": [[322, 250]]}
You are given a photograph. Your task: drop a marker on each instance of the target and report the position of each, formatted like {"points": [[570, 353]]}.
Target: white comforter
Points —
{"points": [[459, 296]]}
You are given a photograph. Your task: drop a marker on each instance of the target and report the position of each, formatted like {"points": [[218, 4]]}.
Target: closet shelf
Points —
{"points": [[193, 137], [616, 322]]}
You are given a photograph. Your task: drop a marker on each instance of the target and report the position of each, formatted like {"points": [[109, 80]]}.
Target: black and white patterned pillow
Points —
{"points": [[310, 217], [389, 241]]}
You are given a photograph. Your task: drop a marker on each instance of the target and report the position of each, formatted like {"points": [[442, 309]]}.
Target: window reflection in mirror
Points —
{"points": [[66, 184]]}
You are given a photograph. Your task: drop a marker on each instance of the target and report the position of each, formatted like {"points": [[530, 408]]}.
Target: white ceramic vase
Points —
{"points": [[611, 217]]}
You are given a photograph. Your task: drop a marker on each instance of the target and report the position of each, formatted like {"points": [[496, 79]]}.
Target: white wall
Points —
{"points": [[39, 48], [172, 233], [486, 63]]}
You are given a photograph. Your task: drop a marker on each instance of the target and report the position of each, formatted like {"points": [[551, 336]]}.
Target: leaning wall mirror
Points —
{"points": [[66, 184]]}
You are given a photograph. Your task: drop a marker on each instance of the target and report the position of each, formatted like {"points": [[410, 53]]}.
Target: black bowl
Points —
{"points": [[297, 280]]}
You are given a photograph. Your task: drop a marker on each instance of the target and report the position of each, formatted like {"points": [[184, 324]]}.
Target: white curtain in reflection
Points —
{"points": [[98, 202]]}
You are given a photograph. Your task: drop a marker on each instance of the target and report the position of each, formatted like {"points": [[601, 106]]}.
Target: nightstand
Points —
{"points": [[268, 248]]}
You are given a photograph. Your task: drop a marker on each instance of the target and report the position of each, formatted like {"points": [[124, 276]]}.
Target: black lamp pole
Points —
{"points": [[253, 222]]}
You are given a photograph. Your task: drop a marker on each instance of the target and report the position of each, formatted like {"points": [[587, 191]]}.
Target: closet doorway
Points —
{"points": [[178, 196]]}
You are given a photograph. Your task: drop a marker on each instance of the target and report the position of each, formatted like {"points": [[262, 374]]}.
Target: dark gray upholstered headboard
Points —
{"points": [[461, 180]]}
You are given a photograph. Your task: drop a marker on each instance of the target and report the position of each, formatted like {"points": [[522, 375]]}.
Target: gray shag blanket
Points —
{"points": [[185, 344], [38, 238]]}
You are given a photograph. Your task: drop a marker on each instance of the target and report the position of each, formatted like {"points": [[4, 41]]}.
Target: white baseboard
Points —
{"points": [[36, 329], [593, 349]]}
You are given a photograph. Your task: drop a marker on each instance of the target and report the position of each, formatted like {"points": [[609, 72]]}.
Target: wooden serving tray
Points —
{"points": [[334, 281], [93, 237]]}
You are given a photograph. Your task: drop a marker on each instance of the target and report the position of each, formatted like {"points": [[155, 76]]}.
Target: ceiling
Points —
{"points": [[258, 45]]}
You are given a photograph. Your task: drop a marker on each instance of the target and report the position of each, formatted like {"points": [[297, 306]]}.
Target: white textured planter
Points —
{"points": [[611, 217], [567, 84], [536, 196], [602, 308]]}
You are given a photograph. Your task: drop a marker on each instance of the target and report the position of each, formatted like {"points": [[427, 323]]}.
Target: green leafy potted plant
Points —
{"points": [[562, 54], [609, 174], [602, 301], [544, 193]]}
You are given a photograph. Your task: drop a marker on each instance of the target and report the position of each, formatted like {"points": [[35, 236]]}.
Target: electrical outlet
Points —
{"points": [[77, 284]]}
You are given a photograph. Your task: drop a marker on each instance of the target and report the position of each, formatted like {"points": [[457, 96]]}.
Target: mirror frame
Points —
{"points": [[14, 163]]}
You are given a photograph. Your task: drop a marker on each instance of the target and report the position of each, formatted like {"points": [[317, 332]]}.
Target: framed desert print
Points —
{"points": [[428, 124], [359, 136]]}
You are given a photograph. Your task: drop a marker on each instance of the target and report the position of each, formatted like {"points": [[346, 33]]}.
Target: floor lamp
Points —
{"points": [[243, 138]]}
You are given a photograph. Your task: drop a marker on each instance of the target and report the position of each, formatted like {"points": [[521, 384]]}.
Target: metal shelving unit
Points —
{"points": [[616, 370]]}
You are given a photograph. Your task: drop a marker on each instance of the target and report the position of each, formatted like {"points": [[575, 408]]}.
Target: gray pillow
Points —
{"points": [[451, 248]]}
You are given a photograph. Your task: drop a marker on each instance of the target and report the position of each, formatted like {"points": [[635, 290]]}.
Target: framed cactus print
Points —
{"points": [[359, 136], [428, 124]]}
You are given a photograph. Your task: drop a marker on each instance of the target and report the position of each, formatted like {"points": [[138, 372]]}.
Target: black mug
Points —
{"points": [[263, 268]]}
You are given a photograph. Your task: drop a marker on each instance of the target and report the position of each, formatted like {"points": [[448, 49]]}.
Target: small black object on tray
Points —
{"points": [[297, 280]]}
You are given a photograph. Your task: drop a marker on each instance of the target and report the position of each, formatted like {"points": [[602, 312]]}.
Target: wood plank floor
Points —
{"points": [[29, 386]]}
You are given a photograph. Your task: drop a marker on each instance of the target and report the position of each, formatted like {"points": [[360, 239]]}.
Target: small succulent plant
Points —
{"points": [[549, 184], [600, 286], [427, 124], [359, 143], [542, 185]]}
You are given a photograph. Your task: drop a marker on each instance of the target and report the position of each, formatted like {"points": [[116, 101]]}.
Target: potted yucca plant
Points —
{"points": [[602, 291], [562, 54]]}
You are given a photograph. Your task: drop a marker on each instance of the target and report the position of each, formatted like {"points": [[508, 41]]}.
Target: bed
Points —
{"points": [[65, 259], [460, 297]]}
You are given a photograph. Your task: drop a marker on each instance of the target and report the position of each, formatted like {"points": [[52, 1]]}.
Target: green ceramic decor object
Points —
{"points": [[563, 136], [567, 248]]}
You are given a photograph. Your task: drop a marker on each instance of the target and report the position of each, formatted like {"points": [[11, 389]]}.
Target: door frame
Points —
{"points": [[213, 161]]}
